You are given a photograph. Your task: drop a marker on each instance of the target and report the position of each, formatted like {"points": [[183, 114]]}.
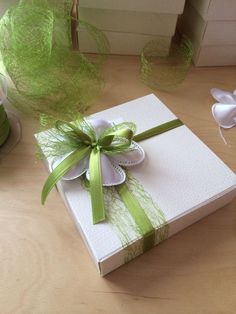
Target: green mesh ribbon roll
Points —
{"points": [[163, 67], [47, 75], [4, 126]]}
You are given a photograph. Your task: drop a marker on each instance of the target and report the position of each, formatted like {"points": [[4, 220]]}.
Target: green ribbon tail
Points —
{"points": [[139, 216], [158, 130], [67, 164], [96, 188]]}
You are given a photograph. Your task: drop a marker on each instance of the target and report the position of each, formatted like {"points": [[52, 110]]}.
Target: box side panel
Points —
{"points": [[175, 226], [159, 6], [192, 24], [130, 21], [202, 7], [220, 33], [122, 43], [215, 9], [216, 56]]}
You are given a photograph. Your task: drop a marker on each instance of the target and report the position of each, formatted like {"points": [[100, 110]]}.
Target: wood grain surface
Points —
{"points": [[44, 265]]}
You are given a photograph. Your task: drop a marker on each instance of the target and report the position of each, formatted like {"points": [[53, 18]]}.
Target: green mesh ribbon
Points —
{"points": [[47, 75], [164, 68], [4, 126]]}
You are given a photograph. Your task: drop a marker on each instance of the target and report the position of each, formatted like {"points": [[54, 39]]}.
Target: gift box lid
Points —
{"points": [[180, 173]]}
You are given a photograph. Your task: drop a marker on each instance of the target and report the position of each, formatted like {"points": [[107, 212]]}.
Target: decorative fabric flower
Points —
{"points": [[112, 173], [224, 112]]}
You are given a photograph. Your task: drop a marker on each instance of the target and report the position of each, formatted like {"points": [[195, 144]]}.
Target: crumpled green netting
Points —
{"points": [[47, 76], [163, 67]]}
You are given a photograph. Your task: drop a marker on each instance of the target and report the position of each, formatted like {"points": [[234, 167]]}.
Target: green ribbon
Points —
{"points": [[116, 139], [4, 126], [141, 219]]}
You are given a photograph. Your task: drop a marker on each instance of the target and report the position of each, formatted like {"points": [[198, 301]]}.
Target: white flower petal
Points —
{"points": [[131, 158], [76, 171], [99, 125], [111, 174], [223, 97], [224, 114]]}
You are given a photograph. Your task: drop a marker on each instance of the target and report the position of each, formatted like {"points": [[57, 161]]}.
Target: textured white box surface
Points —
{"points": [[215, 9], [181, 173], [122, 43], [130, 21], [159, 6]]}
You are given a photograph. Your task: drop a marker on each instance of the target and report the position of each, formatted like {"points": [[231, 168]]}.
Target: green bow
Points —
{"points": [[113, 140], [81, 136]]}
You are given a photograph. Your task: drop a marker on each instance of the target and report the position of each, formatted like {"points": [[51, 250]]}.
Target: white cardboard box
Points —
{"points": [[183, 176], [130, 21], [207, 32], [214, 42], [215, 55], [158, 6], [215, 9], [122, 43]]}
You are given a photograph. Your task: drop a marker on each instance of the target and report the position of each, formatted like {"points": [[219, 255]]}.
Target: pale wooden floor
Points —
{"points": [[44, 265]]}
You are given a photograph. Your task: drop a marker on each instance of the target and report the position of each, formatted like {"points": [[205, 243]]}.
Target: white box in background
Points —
{"points": [[130, 25], [214, 41], [158, 6], [183, 176], [122, 43], [215, 56], [215, 9], [130, 21]]}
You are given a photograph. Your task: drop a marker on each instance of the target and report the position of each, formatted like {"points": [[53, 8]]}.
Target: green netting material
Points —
{"points": [[163, 67], [47, 76]]}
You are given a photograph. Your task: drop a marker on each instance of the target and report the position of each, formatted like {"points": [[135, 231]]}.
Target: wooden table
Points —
{"points": [[44, 265]]}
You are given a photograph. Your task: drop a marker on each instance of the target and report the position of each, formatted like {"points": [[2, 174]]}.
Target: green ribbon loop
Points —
{"points": [[67, 164], [96, 188], [137, 212]]}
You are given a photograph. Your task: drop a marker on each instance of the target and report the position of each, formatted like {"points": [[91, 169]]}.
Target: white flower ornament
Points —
{"points": [[111, 170], [224, 112]]}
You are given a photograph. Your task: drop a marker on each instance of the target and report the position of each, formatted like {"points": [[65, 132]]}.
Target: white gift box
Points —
{"points": [[215, 9], [213, 40], [182, 175]]}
